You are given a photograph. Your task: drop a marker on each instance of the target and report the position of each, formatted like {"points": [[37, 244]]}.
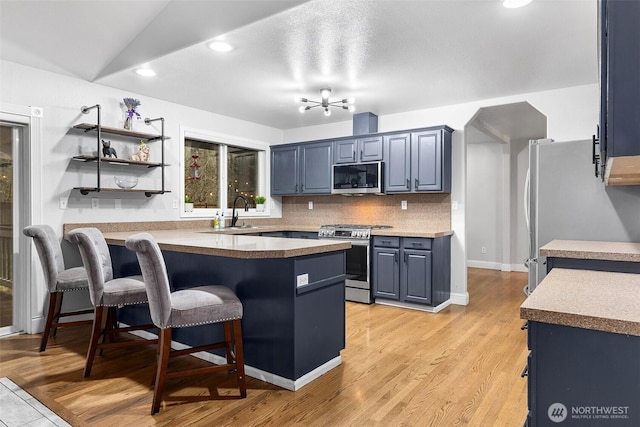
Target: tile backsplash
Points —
{"points": [[424, 211]]}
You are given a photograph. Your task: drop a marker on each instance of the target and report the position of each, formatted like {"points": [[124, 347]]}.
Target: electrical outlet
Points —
{"points": [[118, 203], [303, 279], [484, 250], [454, 205], [310, 205], [175, 204], [63, 203], [95, 203], [403, 205]]}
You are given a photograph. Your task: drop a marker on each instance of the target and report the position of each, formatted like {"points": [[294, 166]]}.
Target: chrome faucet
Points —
{"points": [[234, 216]]}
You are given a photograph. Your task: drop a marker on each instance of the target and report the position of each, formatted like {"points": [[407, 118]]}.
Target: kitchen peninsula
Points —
{"points": [[292, 291]]}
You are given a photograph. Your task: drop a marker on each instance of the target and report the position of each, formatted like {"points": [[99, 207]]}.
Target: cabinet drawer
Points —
{"points": [[386, 242], [416, 243]]}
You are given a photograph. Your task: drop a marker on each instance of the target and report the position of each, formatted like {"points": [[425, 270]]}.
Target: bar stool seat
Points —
{"points": [[188, 307], [58, 279]]}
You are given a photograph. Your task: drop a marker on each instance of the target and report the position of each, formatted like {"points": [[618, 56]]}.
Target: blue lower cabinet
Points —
{"points": [[581, 377], [412, 270]]}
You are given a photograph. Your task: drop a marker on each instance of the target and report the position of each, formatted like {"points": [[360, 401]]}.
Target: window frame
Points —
{"points": [[224, 141]]}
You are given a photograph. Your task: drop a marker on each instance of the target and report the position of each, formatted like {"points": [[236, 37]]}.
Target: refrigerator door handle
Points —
{"points": [[526, 196]]}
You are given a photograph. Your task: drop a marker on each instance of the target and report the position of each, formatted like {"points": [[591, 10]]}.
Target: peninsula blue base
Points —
{"points": [[287, 330]]}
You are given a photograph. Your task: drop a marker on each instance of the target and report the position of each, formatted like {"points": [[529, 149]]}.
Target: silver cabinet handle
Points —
{"points": [[408, 184], [360, 155], [416, 183]]}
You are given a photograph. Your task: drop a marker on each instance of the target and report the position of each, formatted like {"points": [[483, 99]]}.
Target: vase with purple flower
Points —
{"points": [[131, 104]]}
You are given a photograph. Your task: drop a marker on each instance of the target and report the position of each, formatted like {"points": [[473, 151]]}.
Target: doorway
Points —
{"points": [[10, 137], [497, 140]]}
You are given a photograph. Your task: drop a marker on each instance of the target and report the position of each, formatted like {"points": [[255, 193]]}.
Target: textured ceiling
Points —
{"points": [[392, 56]]}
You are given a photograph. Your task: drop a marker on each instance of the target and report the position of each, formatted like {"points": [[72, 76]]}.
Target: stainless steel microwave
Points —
{"points": [[357, 178]]}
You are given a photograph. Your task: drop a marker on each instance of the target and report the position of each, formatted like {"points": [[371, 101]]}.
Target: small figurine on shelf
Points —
{"points": [[131, 104], [142, 155], [107, 150]]}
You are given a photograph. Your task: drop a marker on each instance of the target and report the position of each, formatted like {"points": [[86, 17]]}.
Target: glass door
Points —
{"points": [[9, 137]]}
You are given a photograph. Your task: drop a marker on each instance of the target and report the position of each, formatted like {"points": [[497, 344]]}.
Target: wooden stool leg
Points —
{"points": [[239, 356], [53, 301], [98, 327], [228, 342], [164, 344], [56, 316]]}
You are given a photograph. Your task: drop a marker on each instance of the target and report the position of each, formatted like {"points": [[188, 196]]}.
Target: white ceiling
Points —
{"points": [[392, 56]]}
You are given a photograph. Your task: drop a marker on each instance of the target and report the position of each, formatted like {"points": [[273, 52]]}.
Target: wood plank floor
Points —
{"points": [[400, 367]]}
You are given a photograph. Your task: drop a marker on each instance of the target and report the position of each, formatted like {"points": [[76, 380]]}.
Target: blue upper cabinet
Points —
{"points": [[419, 161], [368, 149], [315, 173], [397, 163], [301, 169], [284, 170], [619, 36]]}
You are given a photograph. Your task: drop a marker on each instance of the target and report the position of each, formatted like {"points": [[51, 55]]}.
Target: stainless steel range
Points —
{"points": [[358, 283]]}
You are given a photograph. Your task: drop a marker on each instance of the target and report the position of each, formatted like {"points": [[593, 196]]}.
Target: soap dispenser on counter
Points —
{"points": [[222, 225]]}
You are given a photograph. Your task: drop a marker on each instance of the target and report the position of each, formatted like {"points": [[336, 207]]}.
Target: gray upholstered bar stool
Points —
{"points": [[187, 307], [58, 278], [107, 294]]}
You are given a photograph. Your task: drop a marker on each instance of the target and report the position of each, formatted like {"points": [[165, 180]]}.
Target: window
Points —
{"points": [[211, 183]]}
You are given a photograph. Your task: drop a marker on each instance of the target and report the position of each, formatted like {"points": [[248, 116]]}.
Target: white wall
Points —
{"points": [[61, 98], [485, 200], [572, 113]]}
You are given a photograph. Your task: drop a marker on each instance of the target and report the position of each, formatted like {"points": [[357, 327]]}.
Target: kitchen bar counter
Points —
{"points": [[594, 300], [581, 249], [292, 292], [210, 242]]}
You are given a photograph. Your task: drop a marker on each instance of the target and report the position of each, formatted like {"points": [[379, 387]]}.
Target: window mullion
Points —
{"points": [[222, 168]]}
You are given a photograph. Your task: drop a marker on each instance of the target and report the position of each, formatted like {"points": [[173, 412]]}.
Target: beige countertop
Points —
{"points": [[587, 299], [263, 226], [584, 249], [207, 242]]}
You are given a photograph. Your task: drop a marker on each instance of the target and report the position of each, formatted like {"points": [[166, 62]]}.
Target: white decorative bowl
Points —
{"points": [[126, 181]]}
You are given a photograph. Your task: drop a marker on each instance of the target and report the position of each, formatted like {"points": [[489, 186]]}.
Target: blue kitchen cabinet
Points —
{"points": [[397, 162], [301, 169], [418, 161], [284, 170], [368, 149], [619, 37], [386, 273], [581, 377], [315, 170], [412, 270]]}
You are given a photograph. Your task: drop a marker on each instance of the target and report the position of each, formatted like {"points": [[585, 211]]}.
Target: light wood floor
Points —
{"points": [[400, 367]]}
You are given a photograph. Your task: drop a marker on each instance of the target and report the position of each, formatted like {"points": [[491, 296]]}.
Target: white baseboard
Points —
{"points": [[459, 299], [412, 306], [250, 371], [496, 266]]}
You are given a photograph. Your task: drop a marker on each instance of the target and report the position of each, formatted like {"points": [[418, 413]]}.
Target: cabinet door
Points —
{"points": [[386, 273], [426, 161], [370, 149], [622, 86], [284, 170], [397, 167], [345, 151], [416, 276], [316, 168]]}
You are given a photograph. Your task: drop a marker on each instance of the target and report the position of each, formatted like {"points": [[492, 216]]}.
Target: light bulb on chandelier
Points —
{"points": [[345, 104]]}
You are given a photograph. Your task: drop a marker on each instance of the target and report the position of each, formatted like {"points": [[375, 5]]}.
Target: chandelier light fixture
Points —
{"points": [[345, 104]]}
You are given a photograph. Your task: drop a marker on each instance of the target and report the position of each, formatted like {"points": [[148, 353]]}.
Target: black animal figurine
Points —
{"points": [[107, 151]]}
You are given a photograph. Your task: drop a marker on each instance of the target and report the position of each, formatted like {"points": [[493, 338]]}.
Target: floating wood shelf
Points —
{"points": [[88, 127], [91, 158]]}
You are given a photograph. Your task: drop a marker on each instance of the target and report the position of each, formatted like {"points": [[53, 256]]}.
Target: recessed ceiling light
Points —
{"points": [[512, 4], [219, 46], [146, 72]]}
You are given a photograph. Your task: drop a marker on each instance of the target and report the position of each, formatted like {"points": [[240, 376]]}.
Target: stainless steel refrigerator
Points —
{"points": [[565, 200]]}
